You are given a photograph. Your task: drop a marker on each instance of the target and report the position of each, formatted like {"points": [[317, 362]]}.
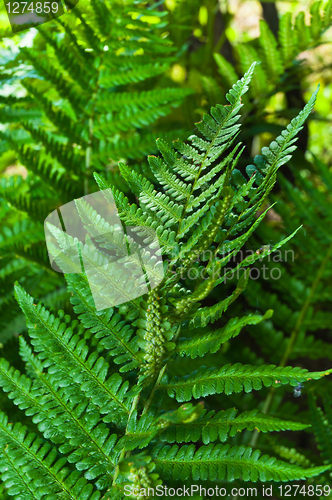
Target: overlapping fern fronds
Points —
{"points": [[98, 432], [78, 107]]}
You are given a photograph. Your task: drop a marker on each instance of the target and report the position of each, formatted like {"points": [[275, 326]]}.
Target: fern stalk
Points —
{"points": [[123, 451]]}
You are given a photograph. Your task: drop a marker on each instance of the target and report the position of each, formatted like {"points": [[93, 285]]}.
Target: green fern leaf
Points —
{"points": [[223, 462], [48, 475], [63, 349], [116, 336], [272, 62], [199, 344], [235, 378]]}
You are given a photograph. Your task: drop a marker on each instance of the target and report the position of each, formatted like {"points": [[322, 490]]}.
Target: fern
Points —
{"points": [[223, 462], [211, 426], [233, 378], [75, 111], [91, 431]]}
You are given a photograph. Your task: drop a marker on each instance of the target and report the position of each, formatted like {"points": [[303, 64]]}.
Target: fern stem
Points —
{"points": [[292, 339], [149, 401], [123, 451]]}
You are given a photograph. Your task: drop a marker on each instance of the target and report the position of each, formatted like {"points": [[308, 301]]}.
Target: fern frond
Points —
{"points": [[200, 344], [316, 20], [279, 151], [48, 474], [223, 462], [116, 336], [62, 415], [62, 348], [286, 36], [213, 426], [302, 30], [268, 43], [235, 378]]}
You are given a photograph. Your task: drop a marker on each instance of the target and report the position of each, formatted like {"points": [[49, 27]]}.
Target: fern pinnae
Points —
{"points": [[160, 204], [235, 378], [200, 344], [65, 157], [211, 426], [43, 459], [73, 418], [132, 215], [205, 315], [223, 462], [13, 478], [230, 161], [91, 375], [115, 334], [217, 128], [176, 188], [322, 430], [252, 258], [132, 75]]}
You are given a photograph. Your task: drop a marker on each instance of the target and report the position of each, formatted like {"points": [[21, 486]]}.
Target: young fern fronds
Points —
{"points": [[279, 151], [153, 336]]}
